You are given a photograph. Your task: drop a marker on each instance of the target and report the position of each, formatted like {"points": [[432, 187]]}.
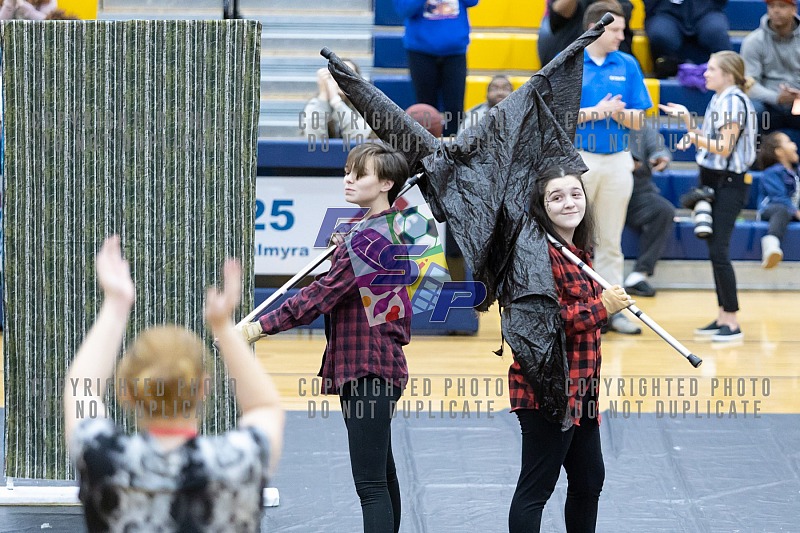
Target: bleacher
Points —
{"points": [[504, 41], [292, 158]]}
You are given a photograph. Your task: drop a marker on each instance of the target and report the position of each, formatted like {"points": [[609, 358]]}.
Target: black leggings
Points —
{"points": [[368, 405], [545, 448]]}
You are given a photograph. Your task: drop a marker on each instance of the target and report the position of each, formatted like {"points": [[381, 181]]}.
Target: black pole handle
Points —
{"points": [[607, 19]]}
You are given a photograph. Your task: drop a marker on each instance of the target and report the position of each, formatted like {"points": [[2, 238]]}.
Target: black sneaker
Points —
{"points": [[641, 289], [726, 334], [711, 329]]}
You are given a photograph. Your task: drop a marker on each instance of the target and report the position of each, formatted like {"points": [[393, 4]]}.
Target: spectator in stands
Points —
{"points": [[726, 147], [778, 193], [563, 23], [167, 477], [683, 31], [613, 100], [436, 40], [771, 56], [330, 114], [23, 9], [498, 89], [649, 213]]}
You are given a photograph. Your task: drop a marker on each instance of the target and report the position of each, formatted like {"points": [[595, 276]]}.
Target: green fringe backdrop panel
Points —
{"points": [[143, 128]]}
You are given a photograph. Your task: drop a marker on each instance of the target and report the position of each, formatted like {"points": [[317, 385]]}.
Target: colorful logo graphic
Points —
{"points": [[399, 263]]}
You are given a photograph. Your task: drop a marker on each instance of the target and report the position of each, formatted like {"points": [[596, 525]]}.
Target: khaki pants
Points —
{"points": [[609, 183]]}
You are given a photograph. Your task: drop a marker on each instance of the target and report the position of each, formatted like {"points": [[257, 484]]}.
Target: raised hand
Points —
{"points": [[334, 93], [113, 272], [220, 304], [322, 83]]}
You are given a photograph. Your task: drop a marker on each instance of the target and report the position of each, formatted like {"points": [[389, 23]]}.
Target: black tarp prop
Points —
{"points": [[480, 183]]}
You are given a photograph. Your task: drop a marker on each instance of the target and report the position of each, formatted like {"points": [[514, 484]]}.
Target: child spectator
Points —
{"points": [[778, 193]]}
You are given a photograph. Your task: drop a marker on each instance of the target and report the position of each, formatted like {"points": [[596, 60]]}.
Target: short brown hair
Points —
{"points": [[388, 164], [595, 11]]}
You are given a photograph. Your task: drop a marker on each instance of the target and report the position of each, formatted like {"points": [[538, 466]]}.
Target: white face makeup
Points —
{"points": [[565, 203]]}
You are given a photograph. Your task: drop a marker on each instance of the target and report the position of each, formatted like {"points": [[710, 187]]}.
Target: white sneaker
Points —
{"points": [[771, 253], [621, 324]]}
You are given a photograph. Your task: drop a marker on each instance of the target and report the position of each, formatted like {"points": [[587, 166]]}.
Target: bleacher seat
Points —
{"points": [[296, 157], [743, 15], [745, 242], [503, 51], [497, 51], [674, 183], [507, 14]]}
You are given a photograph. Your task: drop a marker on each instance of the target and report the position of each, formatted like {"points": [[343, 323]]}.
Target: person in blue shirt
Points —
{"points": [[778, 193], [436, 40], [613, 100]]}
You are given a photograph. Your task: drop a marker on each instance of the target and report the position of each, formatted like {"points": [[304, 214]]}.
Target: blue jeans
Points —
{"points": [[778, 217], [667, 38]]}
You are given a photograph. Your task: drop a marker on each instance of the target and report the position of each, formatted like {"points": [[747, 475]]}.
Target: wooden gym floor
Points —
{"points": [[639, 373], [763, 368]]}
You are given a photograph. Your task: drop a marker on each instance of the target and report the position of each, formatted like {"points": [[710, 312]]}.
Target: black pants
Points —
{"points": [[778, 218], [368, 405], [545, 448], [730, 196], [440, 78], [652, 216]]}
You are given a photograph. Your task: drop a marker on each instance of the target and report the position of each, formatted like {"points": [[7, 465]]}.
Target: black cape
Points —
{"points": [[481, 182]]}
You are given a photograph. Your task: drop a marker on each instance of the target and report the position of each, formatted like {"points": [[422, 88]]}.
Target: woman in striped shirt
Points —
{"points": [[726, 147]]}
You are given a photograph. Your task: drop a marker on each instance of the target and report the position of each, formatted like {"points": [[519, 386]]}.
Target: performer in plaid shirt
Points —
{"points": [[558, 204], [365, 365]]}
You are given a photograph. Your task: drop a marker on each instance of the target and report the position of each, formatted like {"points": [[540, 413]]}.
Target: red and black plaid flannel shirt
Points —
{"points": [[354, 348], [583, 314]]}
